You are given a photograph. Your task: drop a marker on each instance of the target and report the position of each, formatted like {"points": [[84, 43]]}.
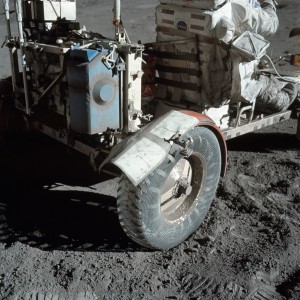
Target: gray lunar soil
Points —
{"points": [[60, 236]]}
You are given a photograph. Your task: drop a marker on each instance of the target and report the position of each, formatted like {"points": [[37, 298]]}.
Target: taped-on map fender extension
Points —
{"points": [[138, 155]]}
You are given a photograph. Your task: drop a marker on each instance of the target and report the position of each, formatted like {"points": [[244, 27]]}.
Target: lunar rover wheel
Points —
{"points": [[172, 202]]}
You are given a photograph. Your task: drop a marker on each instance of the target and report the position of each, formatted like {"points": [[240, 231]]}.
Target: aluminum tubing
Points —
{"points": [[18, 7]]}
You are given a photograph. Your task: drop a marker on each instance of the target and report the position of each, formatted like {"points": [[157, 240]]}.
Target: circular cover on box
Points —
{"points": [[104, 91]]}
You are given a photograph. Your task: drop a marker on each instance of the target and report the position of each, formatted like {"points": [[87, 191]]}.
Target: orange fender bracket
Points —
{"points": [[209, 123]]}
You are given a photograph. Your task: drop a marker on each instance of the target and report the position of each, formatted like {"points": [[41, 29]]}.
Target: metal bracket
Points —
{"points": [[241, 109], [108, 60], [186, 150]]}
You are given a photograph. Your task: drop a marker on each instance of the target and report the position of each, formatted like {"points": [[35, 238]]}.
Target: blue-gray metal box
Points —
{"points": [[93, 92]]}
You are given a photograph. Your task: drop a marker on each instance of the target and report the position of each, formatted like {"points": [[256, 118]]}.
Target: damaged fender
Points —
{"points": [[140, 154]]}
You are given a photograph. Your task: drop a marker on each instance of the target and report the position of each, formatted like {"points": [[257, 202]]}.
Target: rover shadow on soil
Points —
{"points": [[40, 211]]}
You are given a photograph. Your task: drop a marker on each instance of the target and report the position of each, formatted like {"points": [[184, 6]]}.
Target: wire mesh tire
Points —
{"points": [[173, 201]]}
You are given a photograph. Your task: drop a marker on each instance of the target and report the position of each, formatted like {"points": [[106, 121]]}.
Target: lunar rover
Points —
{"points": [[158, 114]]}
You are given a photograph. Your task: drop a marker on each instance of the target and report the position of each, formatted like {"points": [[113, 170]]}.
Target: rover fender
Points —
{"points": [[143, 152]]}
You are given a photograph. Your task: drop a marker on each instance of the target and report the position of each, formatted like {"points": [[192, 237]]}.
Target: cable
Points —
{"points": [[283, 78]]}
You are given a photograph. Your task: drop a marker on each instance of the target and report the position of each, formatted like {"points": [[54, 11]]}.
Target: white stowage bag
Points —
{"points": [[245, 87], [246, 51]]}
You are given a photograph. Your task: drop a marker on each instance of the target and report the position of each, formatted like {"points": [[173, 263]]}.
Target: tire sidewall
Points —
{"points": [[160, 233]]}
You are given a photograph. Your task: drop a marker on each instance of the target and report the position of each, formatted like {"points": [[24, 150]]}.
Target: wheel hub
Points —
{"points": [[181, 188], [184, 187]]}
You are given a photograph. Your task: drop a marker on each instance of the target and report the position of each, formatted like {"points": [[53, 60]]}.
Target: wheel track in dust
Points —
{"points": [[197, 287]]}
